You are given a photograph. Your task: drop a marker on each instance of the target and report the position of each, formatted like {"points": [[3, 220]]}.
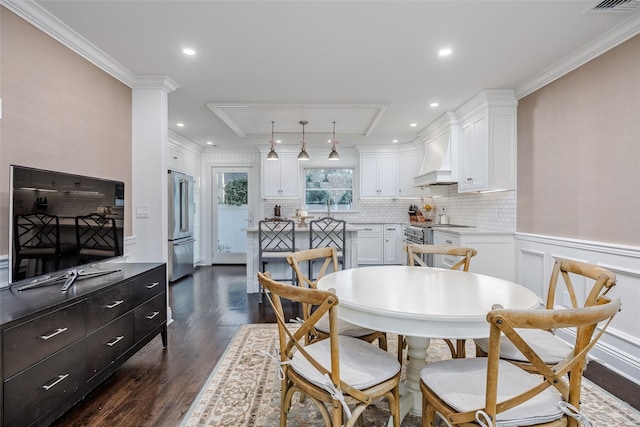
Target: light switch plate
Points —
{"points": [[142, 211]]}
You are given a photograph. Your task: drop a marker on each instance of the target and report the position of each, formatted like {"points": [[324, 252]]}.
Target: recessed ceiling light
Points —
{"points": [[433, 105], [188, 51], [413, 125], [278, 141], [180, 125], [395, 140], [445, 52], [209, 142]]}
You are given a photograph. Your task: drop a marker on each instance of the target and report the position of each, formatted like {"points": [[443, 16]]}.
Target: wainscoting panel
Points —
{"points": [[619, 348]]}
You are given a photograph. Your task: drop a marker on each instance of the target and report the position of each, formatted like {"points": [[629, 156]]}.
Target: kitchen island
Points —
{"points": [[302, 242]]}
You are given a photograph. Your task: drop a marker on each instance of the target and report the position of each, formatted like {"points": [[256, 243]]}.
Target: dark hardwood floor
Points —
{"points": [[156, 387]]}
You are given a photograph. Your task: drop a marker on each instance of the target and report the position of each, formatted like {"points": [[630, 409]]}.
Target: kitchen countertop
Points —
{"points": [[304, 229], [469, 231]]}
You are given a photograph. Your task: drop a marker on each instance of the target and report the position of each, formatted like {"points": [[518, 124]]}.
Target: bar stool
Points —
{"points": [[36, 236], [327, 232], [96, 237], [277, 241]]}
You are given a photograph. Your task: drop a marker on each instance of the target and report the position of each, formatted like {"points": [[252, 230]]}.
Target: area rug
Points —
{"points": [[244, 390]]}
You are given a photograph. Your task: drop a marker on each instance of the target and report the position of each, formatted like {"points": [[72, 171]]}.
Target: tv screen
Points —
{"points": [[59, 220]]}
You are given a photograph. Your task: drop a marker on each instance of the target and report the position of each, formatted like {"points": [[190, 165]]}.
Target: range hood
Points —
{"points": [[440, 161]]}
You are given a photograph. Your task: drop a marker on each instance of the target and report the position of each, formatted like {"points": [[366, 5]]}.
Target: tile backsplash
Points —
{"points": [[495, 211]]}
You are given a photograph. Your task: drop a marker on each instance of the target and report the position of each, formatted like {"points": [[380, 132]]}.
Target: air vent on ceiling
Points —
{"points": [[615, 6]]}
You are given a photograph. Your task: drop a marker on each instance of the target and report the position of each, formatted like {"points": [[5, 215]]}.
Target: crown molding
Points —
{"points": [[597, 47], [165, 83], [52, 26]]}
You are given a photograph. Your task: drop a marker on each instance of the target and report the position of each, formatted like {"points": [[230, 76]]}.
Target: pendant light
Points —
{"points": [[272, 155], [303, 156], [333, 155]]}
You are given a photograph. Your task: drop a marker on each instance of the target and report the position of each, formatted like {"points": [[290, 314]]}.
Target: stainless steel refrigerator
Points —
{"points": [[181, 241]]}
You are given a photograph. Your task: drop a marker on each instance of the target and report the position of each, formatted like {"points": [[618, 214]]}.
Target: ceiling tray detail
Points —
{"points": [[254, 120]]}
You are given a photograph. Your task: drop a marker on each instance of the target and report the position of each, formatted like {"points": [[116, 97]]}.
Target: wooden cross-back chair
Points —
{"points": [[550, 347], [414, 251], [465, 390], [341, 375], [328, 257]]}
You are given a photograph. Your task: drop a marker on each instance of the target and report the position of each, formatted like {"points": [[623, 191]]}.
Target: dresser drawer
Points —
{"points": [[44, 389], [106, 344], [27, 343], [149, 285], [109, 305], [150, 315]]}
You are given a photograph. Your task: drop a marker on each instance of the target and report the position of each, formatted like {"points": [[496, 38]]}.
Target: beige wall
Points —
{"points": [[60, 113], [579, 152]]}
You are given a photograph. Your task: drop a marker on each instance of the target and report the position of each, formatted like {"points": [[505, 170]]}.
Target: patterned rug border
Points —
{"points": [[253, 390], [189, 414]]}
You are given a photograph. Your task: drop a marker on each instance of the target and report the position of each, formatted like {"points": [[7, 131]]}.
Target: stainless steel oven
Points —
{"points": [[422, 233]]}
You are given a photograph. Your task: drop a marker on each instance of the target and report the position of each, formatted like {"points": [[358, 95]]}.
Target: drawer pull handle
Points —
{"points": [[57, 380], [115, 304], [152, 315], [53, 334], [449, 241], [115, 341], [153, 285]]}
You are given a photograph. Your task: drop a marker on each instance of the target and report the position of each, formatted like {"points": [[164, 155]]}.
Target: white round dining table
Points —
{"points": [[422, 303]]}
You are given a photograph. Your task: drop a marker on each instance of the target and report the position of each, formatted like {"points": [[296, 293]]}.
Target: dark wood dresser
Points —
{"points": [[57, 345]]}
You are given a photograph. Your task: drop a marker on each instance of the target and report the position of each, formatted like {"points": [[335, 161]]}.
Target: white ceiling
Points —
{"points": [[370, 66]]}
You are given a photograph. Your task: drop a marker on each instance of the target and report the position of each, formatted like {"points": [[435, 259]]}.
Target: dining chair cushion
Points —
{"points": [[362, 364], [344, 328], [276, 254], [549, 347], [447, 379]]}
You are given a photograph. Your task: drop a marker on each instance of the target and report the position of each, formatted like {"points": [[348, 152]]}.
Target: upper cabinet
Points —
{"points": [[408, 169], [488, 142], [280, 177], [378, 175]]}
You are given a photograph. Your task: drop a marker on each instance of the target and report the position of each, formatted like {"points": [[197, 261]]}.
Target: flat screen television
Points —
{"points": [[59, 221]]}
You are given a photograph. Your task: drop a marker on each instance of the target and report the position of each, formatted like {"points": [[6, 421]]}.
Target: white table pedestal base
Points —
{"points": [[411, 397]]}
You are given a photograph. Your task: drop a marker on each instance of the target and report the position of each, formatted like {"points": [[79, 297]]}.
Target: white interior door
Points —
{"points": [[232, 213]]}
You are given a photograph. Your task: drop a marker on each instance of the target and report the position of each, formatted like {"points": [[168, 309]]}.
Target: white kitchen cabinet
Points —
{"points": [[487, 157], [379, 244], [44, 180], [75, 183], [392, 244], [370, 244], [280, 177], [496, 253], [175, 160], [408, 169], [378, 175]]}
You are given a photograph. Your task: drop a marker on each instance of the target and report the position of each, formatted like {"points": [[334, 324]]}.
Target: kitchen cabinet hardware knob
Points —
{"points": [[115, 341], [469, 179], [152, 315], [153, 285], [115, 304], [449, 242], [57, 380], [53, 334]]}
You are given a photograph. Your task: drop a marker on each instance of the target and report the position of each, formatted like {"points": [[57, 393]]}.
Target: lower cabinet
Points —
{"points": [[496, 251], [379, 244], [57, 346]]}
